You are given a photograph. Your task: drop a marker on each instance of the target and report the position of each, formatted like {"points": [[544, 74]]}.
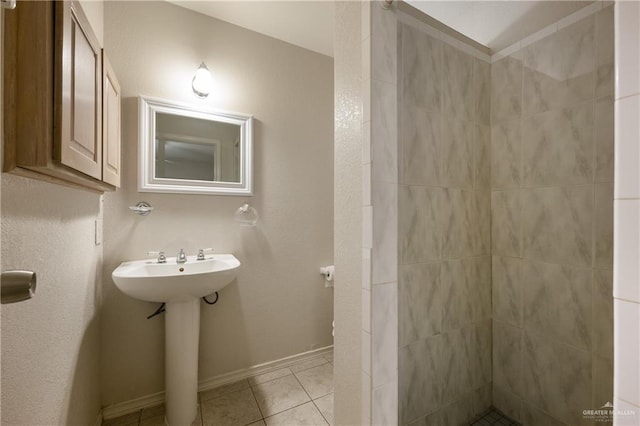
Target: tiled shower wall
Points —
{"points": [[444, 293], [552, 222]]}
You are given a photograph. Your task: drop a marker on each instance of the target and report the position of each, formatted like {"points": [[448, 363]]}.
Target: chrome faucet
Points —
{"points": [[161, 257], [181, 257], [201, 253]]}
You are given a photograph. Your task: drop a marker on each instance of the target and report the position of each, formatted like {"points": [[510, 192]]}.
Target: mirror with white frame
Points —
{"points": [[184, 149]]}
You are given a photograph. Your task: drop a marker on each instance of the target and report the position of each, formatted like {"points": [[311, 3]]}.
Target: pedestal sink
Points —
{"points": [[180, 286]]}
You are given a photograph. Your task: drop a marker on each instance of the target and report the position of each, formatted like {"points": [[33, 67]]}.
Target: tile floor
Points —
{"points": [[301, 394], [494, 417]]}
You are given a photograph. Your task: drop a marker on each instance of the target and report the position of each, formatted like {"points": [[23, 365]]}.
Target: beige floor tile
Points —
{"points": [[325, 405], [258, 423], [153, 421], [272, 375], [317, 381], [302, 415], [304, 365], [126, 420], [236, 408], [152, 411], [223, 390], [279, 395], [158, 419]]}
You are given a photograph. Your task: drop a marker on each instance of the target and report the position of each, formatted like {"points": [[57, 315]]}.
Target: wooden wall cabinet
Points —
{"points": [[61, 103]]}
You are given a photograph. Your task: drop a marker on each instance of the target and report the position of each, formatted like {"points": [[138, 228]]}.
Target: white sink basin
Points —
{"points": [[175, 282]]}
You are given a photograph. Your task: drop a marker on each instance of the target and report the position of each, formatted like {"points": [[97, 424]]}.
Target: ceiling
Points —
{"points": [[305, 23], [309, 23], [498, 24]]}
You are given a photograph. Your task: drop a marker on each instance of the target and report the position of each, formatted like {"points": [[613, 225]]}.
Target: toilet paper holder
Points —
{"points": [[17, 286]]}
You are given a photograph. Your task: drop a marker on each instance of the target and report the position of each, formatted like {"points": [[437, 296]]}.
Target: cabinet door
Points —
{"points": [[110, 125], [78, 142]]}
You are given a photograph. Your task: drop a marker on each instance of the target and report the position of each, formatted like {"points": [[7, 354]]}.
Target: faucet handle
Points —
{"points": [[161, 258], [201, 253]]}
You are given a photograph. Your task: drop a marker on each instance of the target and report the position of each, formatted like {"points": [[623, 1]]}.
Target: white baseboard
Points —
{"points": [[133, 405]]}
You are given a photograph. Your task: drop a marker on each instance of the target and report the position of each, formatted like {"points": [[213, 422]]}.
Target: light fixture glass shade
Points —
{"points": [[202, 82]]}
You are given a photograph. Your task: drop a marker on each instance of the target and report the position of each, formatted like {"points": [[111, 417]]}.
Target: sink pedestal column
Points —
{"points": [[182, 334]]}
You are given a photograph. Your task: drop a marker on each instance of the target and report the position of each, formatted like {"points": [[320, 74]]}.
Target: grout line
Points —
{"points": [[313, 401], [258, 405]]}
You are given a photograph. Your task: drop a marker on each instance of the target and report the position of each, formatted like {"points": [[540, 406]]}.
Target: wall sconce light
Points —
{"points": [[202, 82]]}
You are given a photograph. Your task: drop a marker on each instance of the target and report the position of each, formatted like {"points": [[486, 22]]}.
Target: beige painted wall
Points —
{"points": [[50, 343], [278, 306]]}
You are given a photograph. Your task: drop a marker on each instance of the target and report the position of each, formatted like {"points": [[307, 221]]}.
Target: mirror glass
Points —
{"points": [[194, 150]]}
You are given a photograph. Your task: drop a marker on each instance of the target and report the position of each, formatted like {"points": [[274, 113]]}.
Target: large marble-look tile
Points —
{"points": [[482, 91], [457, 153], [420, 302], [479, 279], [420, 379], [482, 157], [457, 290], [317, 381], [420, 228], [480, 222], [531, 416], [433, 419], [507, 357], [457, 84], [506, 155], [460, 412], [603, 312], [557, 302], [506, 222], [482, 374], [420, 146], [507, 403], [556, 378], [605, 52], [384, 35], [384, 405], [506, 88], [558, 69], [384, 132], [277, 395], [457, 213], [507, 290], [384, 334], [236, 408], [603, 218], [384, 265], [482, 399], [458, 353], [602, 381], [421, 62], [557, 224], [302, 415], [604, 139], [557, 147]]}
